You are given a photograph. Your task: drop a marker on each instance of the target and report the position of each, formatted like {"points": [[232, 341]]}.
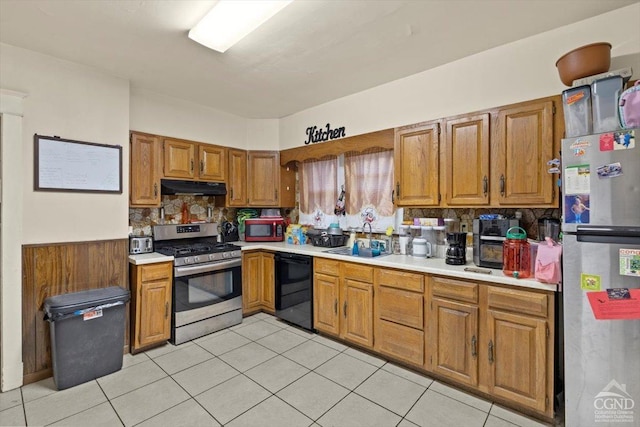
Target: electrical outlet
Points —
{"points": [[464, 227]]}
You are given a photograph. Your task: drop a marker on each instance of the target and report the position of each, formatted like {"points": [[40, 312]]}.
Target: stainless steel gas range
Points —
{"points": [[207, 279]]}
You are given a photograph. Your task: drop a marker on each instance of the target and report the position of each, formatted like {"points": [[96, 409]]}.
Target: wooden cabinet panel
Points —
{"points": [[362, 273], [326, 291], [522, 146], [466, 161], [263, 172], [517, 359], [416, 165], [144, 184], [287, 186], [454, 340], [357, 311], [454, 289], [403, 307], [268, 281], [212, 161], [517, 301], [251, 281], [151, 286], [237, 182], [179, 159], [399, 279], [155, 315], [400, 342], [326, 266]]}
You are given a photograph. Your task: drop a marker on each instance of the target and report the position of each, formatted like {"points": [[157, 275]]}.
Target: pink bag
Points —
{"points": [[629, 107], [548, 265]]}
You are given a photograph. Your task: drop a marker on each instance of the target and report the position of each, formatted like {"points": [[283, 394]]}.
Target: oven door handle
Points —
{"points": [[493, 238], [206, 268]]}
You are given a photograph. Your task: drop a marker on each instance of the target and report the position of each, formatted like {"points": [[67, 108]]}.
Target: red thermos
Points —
{"points": [[516, 254]]}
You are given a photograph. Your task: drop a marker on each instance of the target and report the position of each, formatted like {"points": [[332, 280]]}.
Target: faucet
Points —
{"points": [[370, 232]]}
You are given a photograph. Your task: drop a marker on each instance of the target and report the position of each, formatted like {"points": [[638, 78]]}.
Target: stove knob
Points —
{"points": [[196, 259], [212, 257], [225, 255], [188, 260]]}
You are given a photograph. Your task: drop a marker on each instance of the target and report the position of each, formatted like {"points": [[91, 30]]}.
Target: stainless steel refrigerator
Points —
{"points": [[601, 279]]}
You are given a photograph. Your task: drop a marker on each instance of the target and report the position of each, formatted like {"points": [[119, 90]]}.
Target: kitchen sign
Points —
{"points": [[316, 134]]}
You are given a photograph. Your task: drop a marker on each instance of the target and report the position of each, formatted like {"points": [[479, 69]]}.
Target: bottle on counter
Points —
{"points": [[185, 213]]}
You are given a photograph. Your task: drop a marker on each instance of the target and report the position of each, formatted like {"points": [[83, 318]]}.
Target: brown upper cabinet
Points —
{"points": [[268, 183], [145, 170], [523, 143], [190, 160], [416, 165], [465, 172], [237, 182]]}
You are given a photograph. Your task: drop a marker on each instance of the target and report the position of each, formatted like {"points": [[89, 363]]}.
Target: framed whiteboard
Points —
{"points": [[66, 165]]}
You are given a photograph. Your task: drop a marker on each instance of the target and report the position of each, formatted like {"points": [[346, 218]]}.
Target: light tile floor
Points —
{"points": [[262, 372]]}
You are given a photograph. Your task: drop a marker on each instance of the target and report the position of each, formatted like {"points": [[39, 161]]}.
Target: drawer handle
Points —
{"points": [[490, 351], [191, 165], [474, 346], [201, 166], [344, 309]]}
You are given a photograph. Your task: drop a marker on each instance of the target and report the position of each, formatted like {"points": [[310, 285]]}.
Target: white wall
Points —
{"points": [[73, 102], [263, 134], [507, 74], [167, 116], [11, 291]]}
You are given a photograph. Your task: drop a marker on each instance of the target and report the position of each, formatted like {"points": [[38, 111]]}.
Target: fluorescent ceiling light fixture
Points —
{"points": [[231, 20]]}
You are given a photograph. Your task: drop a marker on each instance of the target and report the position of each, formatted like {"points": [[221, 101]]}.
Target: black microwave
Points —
{"points": [[488, 238]]}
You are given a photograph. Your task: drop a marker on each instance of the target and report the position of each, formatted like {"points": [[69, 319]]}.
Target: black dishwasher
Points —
{"points": [[294, 289]]}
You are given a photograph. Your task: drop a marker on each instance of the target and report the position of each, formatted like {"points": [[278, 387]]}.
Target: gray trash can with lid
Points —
{"points": [[87, 334]]}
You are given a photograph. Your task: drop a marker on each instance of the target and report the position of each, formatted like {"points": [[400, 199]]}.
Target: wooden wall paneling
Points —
{"points": [[57, 269]]}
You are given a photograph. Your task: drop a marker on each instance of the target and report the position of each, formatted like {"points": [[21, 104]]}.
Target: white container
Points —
{"points": [[421, 249], [605, 94], [404, 242]]}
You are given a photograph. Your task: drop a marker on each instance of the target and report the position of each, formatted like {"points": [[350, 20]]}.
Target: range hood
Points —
{"points": [[197, 188]]}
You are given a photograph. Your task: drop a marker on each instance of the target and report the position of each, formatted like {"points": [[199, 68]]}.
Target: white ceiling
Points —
{"points": [[312, 52]]}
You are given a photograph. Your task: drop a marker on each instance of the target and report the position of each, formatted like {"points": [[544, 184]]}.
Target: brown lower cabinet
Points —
{"points": [[343, 300], [151, 304], [258, 281], [492, 338]]}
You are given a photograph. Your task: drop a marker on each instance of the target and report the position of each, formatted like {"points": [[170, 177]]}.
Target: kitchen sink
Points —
{"points": [[363, 252]]}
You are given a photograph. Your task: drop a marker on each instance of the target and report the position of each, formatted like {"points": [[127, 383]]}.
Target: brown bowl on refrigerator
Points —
{"points": [[584, 61]]}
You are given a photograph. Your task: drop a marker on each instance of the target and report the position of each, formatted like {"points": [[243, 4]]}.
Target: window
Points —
{"points": [[368, 181]]}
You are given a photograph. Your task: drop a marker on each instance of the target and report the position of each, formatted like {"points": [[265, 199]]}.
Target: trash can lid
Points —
{"points": [[68, 303]]}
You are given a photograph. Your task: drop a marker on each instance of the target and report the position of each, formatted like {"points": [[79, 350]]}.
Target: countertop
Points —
{"points": [[150, 258], [404, 262]]}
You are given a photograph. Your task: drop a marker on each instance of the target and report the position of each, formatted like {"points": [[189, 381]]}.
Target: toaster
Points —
{"points": [[140, 245]]}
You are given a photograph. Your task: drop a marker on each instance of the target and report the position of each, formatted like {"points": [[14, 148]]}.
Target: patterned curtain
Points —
{"points": [[318, 191], [369, 183]]}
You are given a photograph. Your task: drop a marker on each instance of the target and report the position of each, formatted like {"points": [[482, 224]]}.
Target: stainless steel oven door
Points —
{"points": [[491, 251], [204, 289]]}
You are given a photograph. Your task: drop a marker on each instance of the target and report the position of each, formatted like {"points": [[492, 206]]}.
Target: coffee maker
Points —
{"points": [[457, 250]]}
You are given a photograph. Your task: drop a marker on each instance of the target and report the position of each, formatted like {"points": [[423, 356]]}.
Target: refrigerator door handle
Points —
{"points": [[608, 234]]}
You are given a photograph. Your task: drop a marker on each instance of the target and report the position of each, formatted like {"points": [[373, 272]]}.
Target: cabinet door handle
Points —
{"points": [[231, 189], [166, 309], [502, 185], [485, 185], [191, 165], [335, 307], [201, 166], [490, 351], [155, 190], [393, 193], [474, 346], [344, 309], [276, 194], [398, 190]]}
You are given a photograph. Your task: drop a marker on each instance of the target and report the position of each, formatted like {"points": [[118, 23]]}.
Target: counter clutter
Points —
{"points": [[404, 262]]}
